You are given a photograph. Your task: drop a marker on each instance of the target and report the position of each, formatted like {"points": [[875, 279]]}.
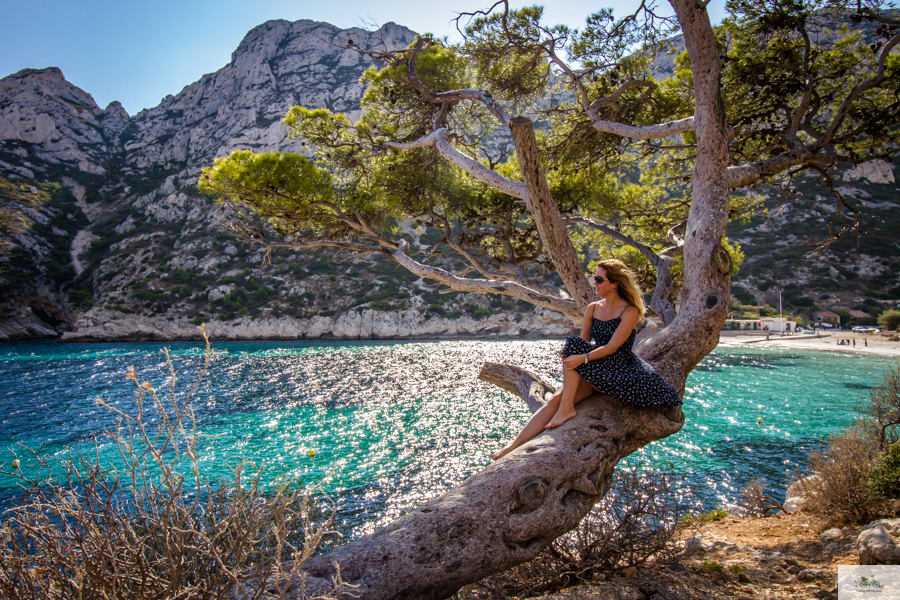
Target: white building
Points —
{"points": [[779, 325]]}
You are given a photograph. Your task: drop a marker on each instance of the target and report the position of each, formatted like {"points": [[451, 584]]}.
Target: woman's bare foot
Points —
{"points": [[561, 416], [502, 453]]}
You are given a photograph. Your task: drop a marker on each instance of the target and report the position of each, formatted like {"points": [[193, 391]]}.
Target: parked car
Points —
{"points": [[866, 329]]}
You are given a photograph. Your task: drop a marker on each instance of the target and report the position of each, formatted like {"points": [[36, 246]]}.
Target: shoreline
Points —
{"points": [[877, 343]]}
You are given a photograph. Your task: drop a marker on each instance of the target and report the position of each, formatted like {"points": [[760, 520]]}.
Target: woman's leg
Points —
{"points": [[572, 384], [542, 416]]}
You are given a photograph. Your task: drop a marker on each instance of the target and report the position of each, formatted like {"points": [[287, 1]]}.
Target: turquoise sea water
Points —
{"points": [[396, 423]]}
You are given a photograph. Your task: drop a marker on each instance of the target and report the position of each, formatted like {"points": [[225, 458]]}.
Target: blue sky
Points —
{"points": [[138, 52]]}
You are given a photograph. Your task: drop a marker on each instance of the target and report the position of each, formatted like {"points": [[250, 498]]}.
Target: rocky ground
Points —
{"points": [[784, 557]]}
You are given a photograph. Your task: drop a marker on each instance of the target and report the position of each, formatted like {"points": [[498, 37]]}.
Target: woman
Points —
{"points": [[609, 366]]}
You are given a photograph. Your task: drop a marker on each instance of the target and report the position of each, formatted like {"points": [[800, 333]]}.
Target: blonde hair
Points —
{"points": [[618, 272]]}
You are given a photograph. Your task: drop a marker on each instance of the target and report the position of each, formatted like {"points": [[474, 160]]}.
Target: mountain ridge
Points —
{"points": [[103, 234]]}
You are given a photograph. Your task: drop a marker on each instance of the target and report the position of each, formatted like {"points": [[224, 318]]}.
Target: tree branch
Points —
{"points": [[859, 90], [503, 515], [610, 101], [661, 301], [547, 219], [485, 286], [440, 140], [645, 132], [450, 96], [746, 174], [493, 274], [647, 251], [324, 243]]}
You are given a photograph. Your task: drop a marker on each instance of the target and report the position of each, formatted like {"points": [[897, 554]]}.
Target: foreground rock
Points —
{"points": [[797, 493], [878, 543]]}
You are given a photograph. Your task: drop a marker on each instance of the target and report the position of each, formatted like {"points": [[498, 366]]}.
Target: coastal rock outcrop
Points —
{"points": [[797, 493], [19, 322], [874, 171], [106, 325]]}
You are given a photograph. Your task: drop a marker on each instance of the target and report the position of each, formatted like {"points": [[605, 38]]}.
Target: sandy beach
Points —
{"points": [[877, 343]]}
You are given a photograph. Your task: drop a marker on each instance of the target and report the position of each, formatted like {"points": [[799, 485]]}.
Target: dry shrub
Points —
{"points": [[151, 526], [634, 524], [842, 488], [756, 502], [883, 409]]}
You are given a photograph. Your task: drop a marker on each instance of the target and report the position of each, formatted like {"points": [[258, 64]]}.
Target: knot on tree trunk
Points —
{"points": [[722, 260], [712, 301], [529, 496]]}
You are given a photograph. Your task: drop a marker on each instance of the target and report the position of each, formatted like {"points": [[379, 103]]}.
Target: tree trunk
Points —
{"points": [[547, 220], [707, 265], [502, 516], [661, 301], [510, 511]]}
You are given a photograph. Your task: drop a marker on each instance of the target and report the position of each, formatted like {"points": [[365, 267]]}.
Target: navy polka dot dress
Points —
{"points": [[622, 374]]}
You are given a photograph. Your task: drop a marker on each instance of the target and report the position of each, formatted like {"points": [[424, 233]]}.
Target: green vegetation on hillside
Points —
{"points": [[49, 218]]}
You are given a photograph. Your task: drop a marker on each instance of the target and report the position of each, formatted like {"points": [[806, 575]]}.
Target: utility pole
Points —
{"points": [[781, 314]]}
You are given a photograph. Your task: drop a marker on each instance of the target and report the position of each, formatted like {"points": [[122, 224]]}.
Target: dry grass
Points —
{"points": [[151, 526]]}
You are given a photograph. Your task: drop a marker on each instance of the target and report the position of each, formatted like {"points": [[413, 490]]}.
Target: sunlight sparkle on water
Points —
{"points": [[393, 424]]}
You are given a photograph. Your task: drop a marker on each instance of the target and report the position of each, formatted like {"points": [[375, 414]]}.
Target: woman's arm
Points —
{"points": [[588, 321], [627, 324]]}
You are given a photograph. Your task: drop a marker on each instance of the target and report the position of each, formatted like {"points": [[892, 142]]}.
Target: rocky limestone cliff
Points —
{"points": [[56, 123], [278, 65], [107, 238]]}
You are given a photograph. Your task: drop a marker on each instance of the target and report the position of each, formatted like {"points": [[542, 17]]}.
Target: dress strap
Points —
{"points": [[624, 309]]}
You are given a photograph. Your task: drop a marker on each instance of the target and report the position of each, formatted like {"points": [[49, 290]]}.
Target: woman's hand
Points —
{"points": [[576, 360]]}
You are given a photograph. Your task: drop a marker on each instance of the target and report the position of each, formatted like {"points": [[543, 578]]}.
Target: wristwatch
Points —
{"points": [[587, 358]]}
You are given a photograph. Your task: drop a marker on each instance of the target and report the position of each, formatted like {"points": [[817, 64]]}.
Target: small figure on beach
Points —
{"points": [[608, 365]]}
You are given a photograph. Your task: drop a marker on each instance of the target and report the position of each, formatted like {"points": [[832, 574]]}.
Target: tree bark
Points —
{"points": [[546, 215], [505, 514], [661, 302], [707, 265]]}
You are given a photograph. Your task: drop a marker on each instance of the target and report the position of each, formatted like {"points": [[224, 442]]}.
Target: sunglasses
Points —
{"points": [[598, 280]]}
